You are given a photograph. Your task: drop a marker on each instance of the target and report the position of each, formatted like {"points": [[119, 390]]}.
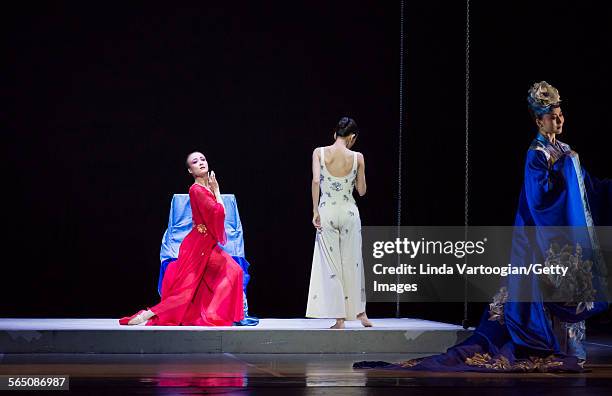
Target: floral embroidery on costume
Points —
{"points": [[576, 330], [533, 364], [496, 308], [577, 286], [410, 363]]}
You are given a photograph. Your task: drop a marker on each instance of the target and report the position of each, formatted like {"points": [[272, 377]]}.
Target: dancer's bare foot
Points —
{"points": [[141, 318], [365, 322], [339, 324]]}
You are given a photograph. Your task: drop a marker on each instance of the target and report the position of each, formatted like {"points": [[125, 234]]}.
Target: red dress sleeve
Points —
{"points": [[211, 212]]}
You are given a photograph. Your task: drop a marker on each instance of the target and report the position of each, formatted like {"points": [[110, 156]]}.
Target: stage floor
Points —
{"points": [[284, 374], [300, 373], [270, 336], [264, 324]]}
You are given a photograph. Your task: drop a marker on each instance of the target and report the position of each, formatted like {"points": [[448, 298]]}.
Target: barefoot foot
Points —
{"points": [[339, 324], [365, 322], [142, 317]]}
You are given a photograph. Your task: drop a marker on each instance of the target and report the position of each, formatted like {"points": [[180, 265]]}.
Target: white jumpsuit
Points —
{"points": [[337, 288]]}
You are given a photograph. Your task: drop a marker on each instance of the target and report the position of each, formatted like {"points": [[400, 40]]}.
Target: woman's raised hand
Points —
{"points": [[213, 183]]}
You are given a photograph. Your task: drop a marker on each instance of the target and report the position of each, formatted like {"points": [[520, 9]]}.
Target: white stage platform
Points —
{"points": [[270, 336]]}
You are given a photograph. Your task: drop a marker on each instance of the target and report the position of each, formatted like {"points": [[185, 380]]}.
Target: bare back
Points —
{"points": [[338, 161]]}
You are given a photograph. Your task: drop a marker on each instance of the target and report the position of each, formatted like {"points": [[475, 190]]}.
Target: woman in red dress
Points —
{"points": [[204, 286]]}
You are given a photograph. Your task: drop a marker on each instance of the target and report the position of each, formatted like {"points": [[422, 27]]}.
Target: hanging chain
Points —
{"points": [[467, 149], [399, 143]]}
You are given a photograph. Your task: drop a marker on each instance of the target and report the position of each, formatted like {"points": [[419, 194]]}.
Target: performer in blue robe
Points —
{"points": [[559, 205]]}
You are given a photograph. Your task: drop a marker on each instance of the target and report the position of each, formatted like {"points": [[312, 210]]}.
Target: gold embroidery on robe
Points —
{"points": [[496, 308], [532, 364], [410, 363]]}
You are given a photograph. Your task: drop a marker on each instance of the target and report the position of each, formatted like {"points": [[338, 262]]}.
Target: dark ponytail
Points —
{"points": [[346, 127]]}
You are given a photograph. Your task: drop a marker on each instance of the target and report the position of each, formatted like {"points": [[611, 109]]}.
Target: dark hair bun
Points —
{"points": [[346, 126]]}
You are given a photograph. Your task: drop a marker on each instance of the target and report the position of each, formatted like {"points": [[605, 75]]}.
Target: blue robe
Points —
{"points": [[556, 192]]}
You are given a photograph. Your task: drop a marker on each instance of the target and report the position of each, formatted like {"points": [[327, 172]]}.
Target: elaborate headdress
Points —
{"points": [[542, 98]]}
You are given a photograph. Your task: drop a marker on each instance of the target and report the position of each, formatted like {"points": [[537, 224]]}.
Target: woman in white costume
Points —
{"points": [[337, 288]]}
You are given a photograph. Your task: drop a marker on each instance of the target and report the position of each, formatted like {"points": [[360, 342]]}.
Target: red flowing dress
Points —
{"points": [[203, 287]]}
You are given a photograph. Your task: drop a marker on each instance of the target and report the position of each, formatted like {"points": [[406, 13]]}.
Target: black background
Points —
{"points": [[103, 102]]}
